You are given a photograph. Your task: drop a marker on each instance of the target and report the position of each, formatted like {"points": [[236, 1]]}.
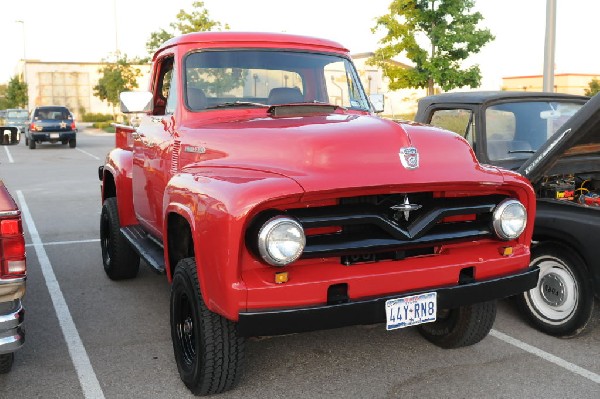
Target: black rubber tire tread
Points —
{"points": [[585, 307], [219, 352], [119, 259], [6, 362], [463, 326], [32, 144], [72, 143]]}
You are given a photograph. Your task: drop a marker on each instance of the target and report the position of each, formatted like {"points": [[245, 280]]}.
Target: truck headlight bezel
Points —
{"points": [[281, 240], [509, 219]]}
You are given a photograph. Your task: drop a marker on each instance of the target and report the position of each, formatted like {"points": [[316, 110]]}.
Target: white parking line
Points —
{"points": [[547, 356], [66, 242], [10, 158], [87, 153], [87, 377]]}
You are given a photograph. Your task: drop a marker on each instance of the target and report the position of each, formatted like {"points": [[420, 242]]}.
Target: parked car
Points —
{"points": [[12, 279], [14, 117], [554, 140], [52, 124], [260, 181]]}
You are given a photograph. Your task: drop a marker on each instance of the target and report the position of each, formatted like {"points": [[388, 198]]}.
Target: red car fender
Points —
{"points": [[218, 203], [119, 166]]}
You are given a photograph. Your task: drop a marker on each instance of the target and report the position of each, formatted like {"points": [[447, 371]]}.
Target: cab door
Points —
{"points": [[152, 148]]}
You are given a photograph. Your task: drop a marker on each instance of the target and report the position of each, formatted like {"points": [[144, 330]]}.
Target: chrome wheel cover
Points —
{"points": [[556, 296]]}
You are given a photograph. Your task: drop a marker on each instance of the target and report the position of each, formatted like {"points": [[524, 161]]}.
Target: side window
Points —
{"points": [[163, 90], [456, 120], [173, 90]]}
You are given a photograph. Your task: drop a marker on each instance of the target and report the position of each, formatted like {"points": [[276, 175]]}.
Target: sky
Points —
{"points": [[90, 30]]}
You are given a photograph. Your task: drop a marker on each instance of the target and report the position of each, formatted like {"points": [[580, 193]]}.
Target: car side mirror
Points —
{"points": [[136, 102], [378, 102]]}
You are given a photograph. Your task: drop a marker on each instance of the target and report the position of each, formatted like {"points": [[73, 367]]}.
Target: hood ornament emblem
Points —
{"points": [[406, 208], [409, 157]]}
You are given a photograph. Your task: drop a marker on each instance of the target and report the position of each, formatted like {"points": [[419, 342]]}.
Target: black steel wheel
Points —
{"points": [[562, 303], [463, 326], [6, 362], [208, 352], [119, 259]]}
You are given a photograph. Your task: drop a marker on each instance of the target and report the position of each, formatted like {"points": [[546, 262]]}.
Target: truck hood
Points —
{"points": [[576, 143], [335, 151]]}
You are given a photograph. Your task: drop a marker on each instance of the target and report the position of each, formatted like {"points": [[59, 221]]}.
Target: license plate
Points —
{"points": [[411, 310], [54, 135]]}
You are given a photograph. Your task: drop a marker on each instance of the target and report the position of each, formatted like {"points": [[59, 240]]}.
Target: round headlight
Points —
{"points": [[281, 241], [510, 219]]}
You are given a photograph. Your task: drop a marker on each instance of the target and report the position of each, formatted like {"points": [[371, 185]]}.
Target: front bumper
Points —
{"points": [[371, 311], [12, 334]]}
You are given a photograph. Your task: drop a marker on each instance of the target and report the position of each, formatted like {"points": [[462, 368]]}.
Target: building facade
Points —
{"points": [[569, 83], [70, 84], [399, 104]]}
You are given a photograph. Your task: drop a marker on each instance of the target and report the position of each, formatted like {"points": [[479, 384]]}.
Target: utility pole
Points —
{"points": [[549, 47]]}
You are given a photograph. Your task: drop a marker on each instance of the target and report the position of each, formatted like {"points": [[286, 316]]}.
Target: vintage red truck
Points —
{"points": [[13, 272], [258, 178]]}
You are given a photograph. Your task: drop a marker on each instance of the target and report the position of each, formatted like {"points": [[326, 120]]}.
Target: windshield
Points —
{"points": [[254, 78], [17, 114], [516, 130], [52, 113]]}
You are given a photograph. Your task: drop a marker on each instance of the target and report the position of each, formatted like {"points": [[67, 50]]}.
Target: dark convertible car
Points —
{"points": [[553, 140]]}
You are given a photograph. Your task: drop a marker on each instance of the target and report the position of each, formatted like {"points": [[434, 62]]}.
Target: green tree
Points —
{"points": [[116, 77], [436, 35], [196, 21], [211, 80], [3, 100], [594, 88], [16, 93]]}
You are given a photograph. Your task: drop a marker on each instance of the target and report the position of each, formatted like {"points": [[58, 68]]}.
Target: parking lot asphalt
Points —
{"points": [[88, 336]]}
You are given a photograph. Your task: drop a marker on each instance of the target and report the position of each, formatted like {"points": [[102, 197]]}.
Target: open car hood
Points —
{"points": [[576, 143]]}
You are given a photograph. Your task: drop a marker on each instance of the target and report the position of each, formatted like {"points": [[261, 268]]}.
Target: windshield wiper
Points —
{"points": [[521, 152], [238, 104]]}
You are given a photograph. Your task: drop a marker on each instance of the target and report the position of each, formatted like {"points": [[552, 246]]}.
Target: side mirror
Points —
{"points": [[378, 102], [136, 102]]}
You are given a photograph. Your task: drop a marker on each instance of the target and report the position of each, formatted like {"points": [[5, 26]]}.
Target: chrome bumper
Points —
{"points": [[12, 334]]}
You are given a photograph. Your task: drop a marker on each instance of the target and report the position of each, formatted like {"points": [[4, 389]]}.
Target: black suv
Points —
{"points": [[53, 124]]}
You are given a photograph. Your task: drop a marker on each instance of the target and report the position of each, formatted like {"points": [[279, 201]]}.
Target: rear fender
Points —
{"points": [[117, 182]]}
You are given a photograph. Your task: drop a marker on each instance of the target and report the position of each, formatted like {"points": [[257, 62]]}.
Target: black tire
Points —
{"points": [[563, 301], [26, 141], [72, 143], [32, 144], [119, 259], [6, 362], [463, 326], [208, 352]]}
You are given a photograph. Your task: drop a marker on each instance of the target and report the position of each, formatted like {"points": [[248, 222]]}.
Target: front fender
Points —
{"points": [[217, 202], [119, 164]]}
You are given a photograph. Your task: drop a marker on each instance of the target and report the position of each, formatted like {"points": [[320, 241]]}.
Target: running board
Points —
{"points": [[149, 249]]}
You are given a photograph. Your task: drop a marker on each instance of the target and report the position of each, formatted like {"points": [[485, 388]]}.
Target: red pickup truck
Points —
{"points": [[12, 279], [258, 178]]}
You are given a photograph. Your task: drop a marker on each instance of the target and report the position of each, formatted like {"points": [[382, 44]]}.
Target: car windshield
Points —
{"points": [[254, 78], [16, 114], [515, 130], [51, 114]]}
